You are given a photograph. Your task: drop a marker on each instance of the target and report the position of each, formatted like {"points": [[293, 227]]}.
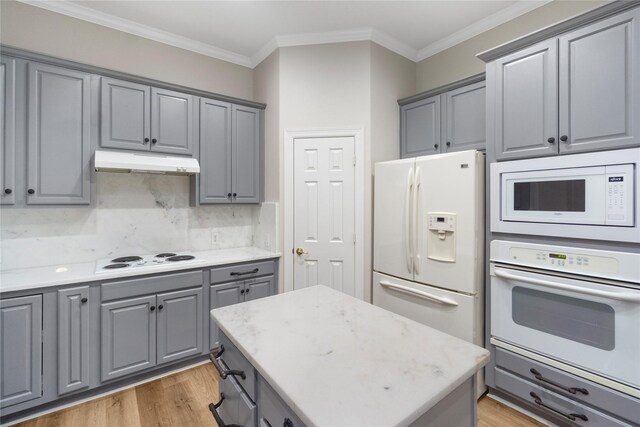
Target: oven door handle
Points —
{"points": [[619, 296], [419, 294]]}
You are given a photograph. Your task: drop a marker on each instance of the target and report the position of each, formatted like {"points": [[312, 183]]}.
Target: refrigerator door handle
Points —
{"points": [[408, 220], [419, 294], [415, 221]]}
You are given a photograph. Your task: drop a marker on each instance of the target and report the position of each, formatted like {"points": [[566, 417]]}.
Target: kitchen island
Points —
{"points": [[323, 358]]}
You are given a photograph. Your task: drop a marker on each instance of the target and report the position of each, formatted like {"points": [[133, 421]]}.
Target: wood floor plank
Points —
{"points": [[182, 399]]}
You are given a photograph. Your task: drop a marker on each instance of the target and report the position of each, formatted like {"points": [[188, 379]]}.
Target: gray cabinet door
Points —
{"points": [[20, 349], [258, 288], [600, 85], [463, 124], [222, 296], [246, 156], [526, 106], [59, 143], [171, 122], [179, 324], [8, 130], [73, 339], [420, 128], [128, 336], [125, 115], [215, 152]]}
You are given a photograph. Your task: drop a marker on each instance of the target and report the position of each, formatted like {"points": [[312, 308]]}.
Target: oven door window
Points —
{"points": [[587, 322], [550, 196]]}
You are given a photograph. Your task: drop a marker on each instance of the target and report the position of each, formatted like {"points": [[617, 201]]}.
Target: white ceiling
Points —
{"points": [[246, 32]]}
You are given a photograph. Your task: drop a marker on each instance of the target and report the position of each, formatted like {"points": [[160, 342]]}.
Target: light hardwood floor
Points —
{"points": [[181, 400]]}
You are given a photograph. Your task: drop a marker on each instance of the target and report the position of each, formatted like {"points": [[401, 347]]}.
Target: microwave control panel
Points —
{"points": [[619, 196]]}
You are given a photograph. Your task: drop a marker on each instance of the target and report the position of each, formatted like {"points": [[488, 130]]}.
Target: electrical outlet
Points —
{"points": [[214, 238]]}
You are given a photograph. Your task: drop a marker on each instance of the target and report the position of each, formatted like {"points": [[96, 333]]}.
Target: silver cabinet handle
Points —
{"points": [[419, 294], [620, 296]]}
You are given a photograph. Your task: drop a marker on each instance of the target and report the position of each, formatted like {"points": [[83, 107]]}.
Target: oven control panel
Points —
{"points": [[565, 261], [595, 263]]}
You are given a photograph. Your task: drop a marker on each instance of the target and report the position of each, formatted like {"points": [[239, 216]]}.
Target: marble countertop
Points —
{"points": [[55, 275], [338, 361]]}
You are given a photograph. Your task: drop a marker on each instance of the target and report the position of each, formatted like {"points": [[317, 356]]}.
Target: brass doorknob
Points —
{"points": [[301, 251]]}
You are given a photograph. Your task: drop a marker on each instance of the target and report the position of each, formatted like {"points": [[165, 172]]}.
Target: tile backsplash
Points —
{"points": [[134, 214]]}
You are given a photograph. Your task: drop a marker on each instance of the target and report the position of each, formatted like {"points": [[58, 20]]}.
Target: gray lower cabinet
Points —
{"points": [[272, 410], [128, 337], [224, 294], [139, 117], [73, 339], [59, 136], [20, 349], [574, 93], [179, 322], [231, 154], [8, 130], [446, 122]]}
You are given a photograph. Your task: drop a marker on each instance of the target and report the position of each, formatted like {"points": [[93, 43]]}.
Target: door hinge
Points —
{"points": [[354, 238], [354, 160]]}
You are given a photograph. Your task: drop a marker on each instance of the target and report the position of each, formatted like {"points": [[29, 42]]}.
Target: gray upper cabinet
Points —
{"points": [[420, 128], [179, 317], [171, 122], [128, 336], [8, 130], [59, 131], [445, 122], [600, 85], [230, 153], [73, 339], [577, 92], [125, 118], [526, 107], [20, 349], [139, 117], [246, 164], [463, 127], [215, 151]]}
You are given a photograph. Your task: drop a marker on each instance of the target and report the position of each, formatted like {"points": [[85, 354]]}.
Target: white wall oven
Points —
{"points": [[579, 307], [593, 196]]}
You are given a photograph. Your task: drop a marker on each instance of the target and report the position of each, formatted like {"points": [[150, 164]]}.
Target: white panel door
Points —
{"points": [[324, 222], [393, 194]]}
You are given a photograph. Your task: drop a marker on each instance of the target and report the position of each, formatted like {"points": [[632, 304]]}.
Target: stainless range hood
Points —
{"points": [[117, 161]]}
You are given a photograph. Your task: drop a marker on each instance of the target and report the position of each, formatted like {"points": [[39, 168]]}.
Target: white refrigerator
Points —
{"points": [[429, 242]]}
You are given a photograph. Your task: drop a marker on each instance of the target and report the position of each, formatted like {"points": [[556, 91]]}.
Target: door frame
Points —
{"points": [[290, 135]]}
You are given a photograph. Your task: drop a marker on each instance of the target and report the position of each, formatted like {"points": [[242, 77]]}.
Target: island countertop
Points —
{"points": [[339, 361]]}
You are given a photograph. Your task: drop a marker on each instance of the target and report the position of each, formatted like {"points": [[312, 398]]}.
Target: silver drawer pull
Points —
{"points": [[572, 390], [571, 417], [224, 373], [213, 407]]}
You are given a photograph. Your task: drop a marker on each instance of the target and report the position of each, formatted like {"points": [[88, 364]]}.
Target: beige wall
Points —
{"points": [[50, 33], [266, 81], [460, 61]]}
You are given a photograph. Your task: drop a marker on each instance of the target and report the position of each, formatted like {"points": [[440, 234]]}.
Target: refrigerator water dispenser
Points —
{"points": [[441, 238]]}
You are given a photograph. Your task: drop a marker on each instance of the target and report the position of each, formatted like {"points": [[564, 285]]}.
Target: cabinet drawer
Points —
{"points": [[273, 411], [601, 397], [234, 360], [554, 404], [236, 408], [241, 271], [151, 285]]}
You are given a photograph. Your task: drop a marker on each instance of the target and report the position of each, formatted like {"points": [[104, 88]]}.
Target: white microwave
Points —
{"points": [[592, 196]]}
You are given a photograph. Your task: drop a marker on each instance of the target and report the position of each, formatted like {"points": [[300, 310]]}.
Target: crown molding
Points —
{"points": [[127, 26], [488, 23], [286, 40]]}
